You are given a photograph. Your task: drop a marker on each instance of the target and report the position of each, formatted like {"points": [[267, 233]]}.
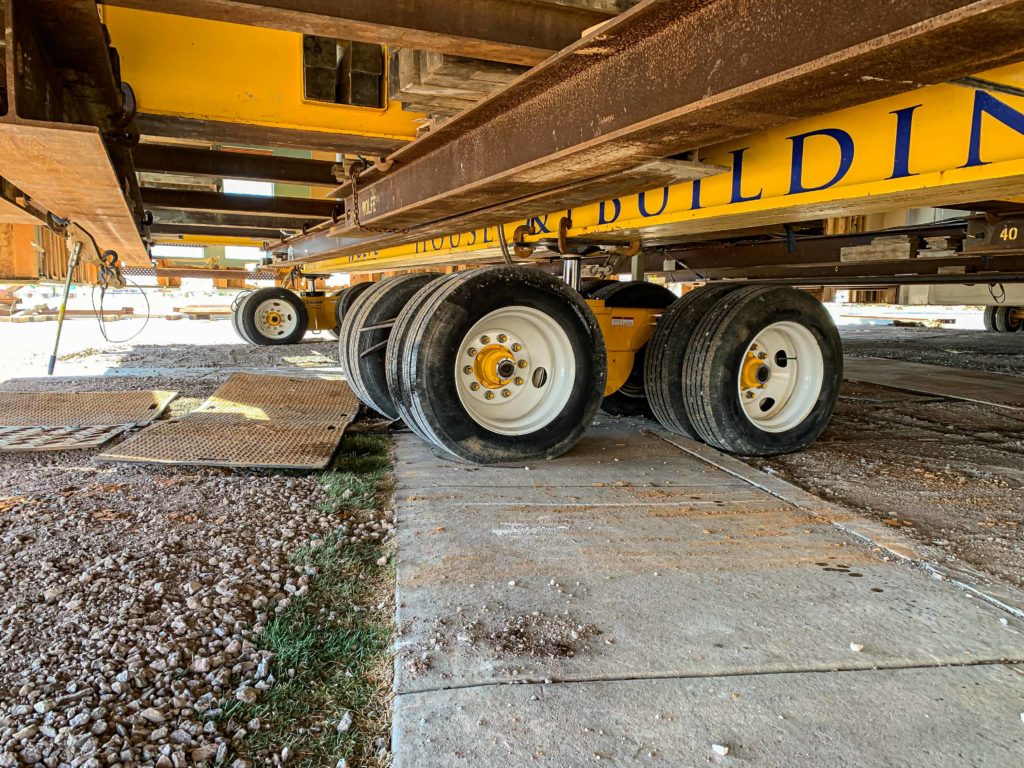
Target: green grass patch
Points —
{"points": [[330, 657]]}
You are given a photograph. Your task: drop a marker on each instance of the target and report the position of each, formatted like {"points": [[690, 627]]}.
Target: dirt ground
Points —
{"points": [[949, 473], [160, 344], [972, 350]]}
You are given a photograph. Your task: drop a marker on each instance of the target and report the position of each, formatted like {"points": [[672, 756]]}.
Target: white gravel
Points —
{"points": [[130, 597]]}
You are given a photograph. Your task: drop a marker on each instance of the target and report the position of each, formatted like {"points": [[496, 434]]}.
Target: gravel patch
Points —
{"points": [[132, 599]]}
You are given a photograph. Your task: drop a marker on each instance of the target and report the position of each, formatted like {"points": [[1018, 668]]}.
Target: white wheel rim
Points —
{"points": [[515, 371], [275, 318], [781, 377]]}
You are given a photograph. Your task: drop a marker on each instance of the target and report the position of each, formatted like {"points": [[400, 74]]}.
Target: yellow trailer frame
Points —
{"points": [[949, 144]]}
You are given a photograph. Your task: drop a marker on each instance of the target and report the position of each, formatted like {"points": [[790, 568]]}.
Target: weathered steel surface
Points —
{"points": [[62, 100], [671, 77], [963, 269], [496, 30], [251, 421], [190, 161], [189, 200], [220, 132], [228, 221], [201, 230], [67, 169], [81, 409]]}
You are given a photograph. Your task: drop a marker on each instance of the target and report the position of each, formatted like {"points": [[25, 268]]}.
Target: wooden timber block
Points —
{"points": [[66, 168], [412, 81], [889, 248], [459, 71]]}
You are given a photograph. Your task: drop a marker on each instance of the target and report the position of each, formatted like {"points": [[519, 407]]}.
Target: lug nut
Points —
{"points": [[472, 351], [522, 363], [520, 381], [749, 395], [474, 386], [762, 355], [485, 339], [502, 338], [517, 347], [506, 393], [468, 370], [489, 395]]}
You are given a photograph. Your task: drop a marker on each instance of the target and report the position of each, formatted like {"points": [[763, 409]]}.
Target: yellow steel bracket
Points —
{"points": [[625, 332], [322, 312]]}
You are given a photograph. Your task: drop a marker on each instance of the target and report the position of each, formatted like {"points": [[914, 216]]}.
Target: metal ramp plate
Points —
{"points": [[251, 421], [62, 421]]}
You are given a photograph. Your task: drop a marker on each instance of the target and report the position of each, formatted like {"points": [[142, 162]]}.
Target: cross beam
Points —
{"points": [[496, 30], [668, 77]]}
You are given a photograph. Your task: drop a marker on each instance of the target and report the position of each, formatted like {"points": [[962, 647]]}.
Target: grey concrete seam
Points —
{"points": [[799, 498], [1014, 664]]}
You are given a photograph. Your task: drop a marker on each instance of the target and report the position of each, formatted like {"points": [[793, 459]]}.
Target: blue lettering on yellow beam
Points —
{"points": [[642, 204], [901, 155], [602, 217], [737, 178], [539, 225], [846, 154], [987, 104]]}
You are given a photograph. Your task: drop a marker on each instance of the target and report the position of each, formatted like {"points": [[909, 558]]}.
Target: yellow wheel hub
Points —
{"points": [[753, 373], [273, 319], [494, 366]]}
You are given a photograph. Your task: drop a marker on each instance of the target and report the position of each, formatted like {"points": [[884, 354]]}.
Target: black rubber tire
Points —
{"points": [[347, 298], [631, 398], [408, 318], [989, 318], [433, 334], [236, 316], [289, 301], [366, 350], [717, 350], [663, 367], [1004, 321], [589, 287]]}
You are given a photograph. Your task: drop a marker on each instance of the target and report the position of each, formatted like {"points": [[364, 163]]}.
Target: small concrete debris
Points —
{"points": [[720, 749], [345, 722], [856, 647]]}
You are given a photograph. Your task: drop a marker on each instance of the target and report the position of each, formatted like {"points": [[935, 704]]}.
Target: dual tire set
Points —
{"points": [[507, 364], [272, 316], [1004, 319]]}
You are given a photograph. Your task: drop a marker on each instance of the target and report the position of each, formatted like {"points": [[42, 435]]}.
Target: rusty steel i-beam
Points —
{"points": [[190, 161], [664, 79], [189, 200], [496, 30]]}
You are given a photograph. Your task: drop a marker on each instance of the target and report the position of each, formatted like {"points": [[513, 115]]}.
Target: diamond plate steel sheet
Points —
{"points": [[57, 438], [81, 409], [251, 421]]}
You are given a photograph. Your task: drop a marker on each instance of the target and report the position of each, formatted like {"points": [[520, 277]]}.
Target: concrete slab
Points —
{"points": [[941, 718], [661, 566], [610, 454], [977, 386]]}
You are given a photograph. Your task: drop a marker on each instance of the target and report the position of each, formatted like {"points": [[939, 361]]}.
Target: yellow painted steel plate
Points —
{"points": [[251, 421]]}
